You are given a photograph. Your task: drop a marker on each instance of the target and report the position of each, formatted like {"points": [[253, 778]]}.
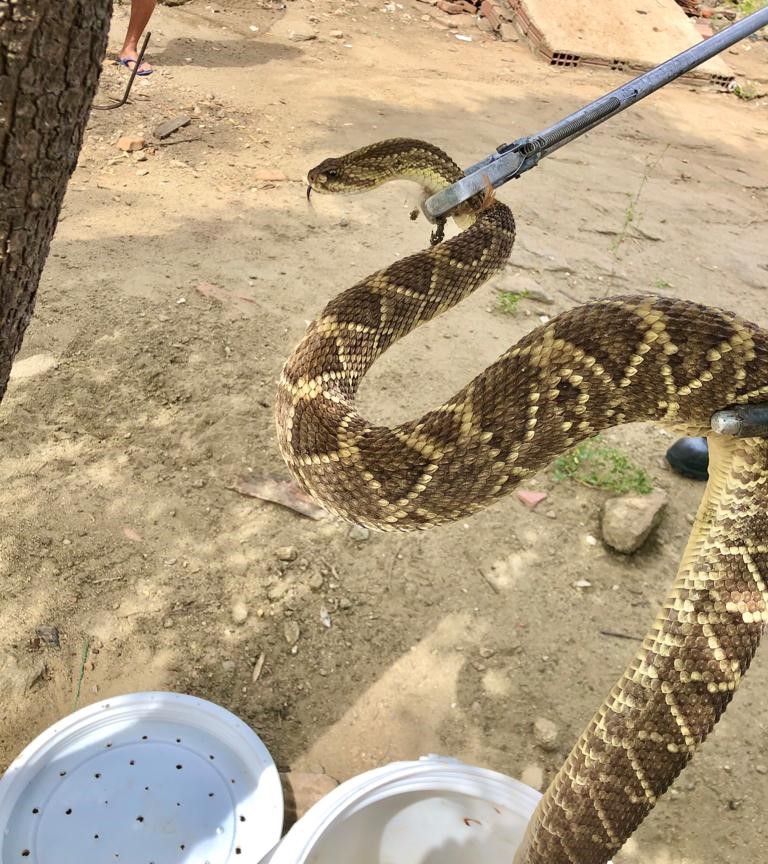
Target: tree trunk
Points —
{"points": [[51, 53]]}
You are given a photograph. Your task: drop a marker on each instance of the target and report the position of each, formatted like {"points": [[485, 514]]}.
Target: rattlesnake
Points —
{"points": [[608, 362]]}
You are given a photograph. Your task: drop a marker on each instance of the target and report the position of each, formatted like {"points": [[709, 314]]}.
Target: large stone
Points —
{"points": [[628, 520]]}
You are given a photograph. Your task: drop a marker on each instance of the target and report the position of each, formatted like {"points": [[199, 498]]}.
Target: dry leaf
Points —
{"points": [[284, 492]]}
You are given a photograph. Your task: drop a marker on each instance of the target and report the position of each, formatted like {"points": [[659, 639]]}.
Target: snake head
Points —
{"points": [[347, 175], [326, 177]]}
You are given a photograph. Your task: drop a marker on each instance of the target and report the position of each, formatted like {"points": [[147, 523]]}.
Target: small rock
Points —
{"points": [[734, 803], [336, 34], [345, 603], [286, 553], [530, 498], [302, 35], [278, 590], [582, 584], [316, 581], [142, 172], [18, 675], [507, 32], [761, 769], [129, 143], [536, 294], [303, 790], [450, 8], [628, 520], [171, 126], [546, 733], [291, 631], [228, 665], [48, 635], [239, 612], [533, 776], [359, 533]]}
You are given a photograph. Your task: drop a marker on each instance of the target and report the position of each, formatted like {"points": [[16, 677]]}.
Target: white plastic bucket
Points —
{"points": [[433, 811]]}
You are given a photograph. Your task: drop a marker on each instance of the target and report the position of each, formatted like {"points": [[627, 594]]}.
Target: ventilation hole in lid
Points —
{"points": [[146, 788], [68, 811], [139, 818], [178, 740], [144, 737], [179, 767], [242, 818], [238, 851], [108, 744], [210, 794], [62, 773], [35, 811], [25, 853], [231, 779], [182, 847], [178, 804], [95, 836], [211, 756], [97, 776], [131, 761]]}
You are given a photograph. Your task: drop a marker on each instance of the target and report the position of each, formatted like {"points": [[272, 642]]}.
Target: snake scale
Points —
{"points": [[608, 362]]}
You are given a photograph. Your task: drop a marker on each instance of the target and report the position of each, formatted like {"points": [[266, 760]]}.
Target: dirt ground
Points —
{"points": [[179, 281]]}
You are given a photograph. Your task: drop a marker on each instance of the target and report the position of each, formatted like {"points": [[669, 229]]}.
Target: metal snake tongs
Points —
{"points": [[509, 161]]}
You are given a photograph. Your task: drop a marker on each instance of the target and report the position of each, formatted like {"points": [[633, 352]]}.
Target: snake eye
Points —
{"points": [[331, 173]]}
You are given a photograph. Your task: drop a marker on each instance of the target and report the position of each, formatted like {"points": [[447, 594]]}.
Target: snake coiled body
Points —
{"points": [[614, 361]]}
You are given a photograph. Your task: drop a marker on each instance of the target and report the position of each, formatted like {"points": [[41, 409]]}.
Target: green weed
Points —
{"points": [[595, 463], [509, 300]]}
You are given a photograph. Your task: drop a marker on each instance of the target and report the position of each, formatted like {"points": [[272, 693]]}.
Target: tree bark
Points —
{"points": [[51, 52]]}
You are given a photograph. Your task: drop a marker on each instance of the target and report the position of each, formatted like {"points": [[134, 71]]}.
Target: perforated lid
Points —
{"points": [[145, 778]]}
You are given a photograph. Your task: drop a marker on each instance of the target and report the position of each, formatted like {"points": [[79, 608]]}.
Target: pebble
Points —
{"points": [[48, 635], [239, 612], [316, 581], [359, 533], [130, 143], [530, 497], [228, 665], [533, 776], [345, 603], [302, 35], [628, 520], [291, 631], [278, 590], [286, 553], [761, 769], [336, 34], [546, 733]]}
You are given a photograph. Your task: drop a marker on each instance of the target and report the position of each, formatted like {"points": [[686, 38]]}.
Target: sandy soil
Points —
{"points": [[175, 289]]}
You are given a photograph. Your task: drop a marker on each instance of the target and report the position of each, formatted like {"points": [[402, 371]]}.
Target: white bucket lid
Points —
{"points": [[145, 778], [435, 809]]}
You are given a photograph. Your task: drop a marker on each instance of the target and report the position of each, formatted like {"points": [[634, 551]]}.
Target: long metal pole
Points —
{"points": [[512, 160]]}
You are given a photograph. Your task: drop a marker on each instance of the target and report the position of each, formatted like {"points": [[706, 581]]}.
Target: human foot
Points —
{"points": [[129, 61]]}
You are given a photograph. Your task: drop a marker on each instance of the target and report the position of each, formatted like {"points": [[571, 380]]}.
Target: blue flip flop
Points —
{"points": [[126, 61]]}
